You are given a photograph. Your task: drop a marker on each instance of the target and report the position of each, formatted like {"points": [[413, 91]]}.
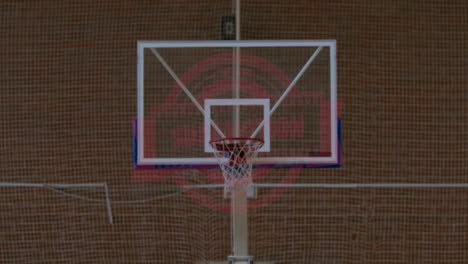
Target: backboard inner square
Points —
{"points": [[264, 125]]}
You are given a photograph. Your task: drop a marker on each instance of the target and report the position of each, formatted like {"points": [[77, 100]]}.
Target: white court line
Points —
{"points": [[65, 186], [344, 185]]}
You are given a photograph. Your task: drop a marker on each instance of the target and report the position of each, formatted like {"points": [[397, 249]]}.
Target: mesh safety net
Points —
{"points": [[68, 71]]}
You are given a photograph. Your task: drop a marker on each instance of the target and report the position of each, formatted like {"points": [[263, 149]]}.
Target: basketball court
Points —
{"points": [[237, 132]]}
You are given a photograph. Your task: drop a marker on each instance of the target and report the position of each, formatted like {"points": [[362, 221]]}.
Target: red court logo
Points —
{"points": [[213, 78]]}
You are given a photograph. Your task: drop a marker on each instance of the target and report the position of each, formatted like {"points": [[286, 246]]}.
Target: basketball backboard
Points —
{"points": [[191, 92]]}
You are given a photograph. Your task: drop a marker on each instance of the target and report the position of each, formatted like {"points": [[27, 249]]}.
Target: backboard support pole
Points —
{"points": [[239, 202]]}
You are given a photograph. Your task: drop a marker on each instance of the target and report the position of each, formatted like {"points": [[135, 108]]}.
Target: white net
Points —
{"points": [[235, 157]]}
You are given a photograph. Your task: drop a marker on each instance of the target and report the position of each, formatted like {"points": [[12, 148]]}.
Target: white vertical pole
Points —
{"points": [[240, 235], [240, 228], [108, 204], [236, 73]]}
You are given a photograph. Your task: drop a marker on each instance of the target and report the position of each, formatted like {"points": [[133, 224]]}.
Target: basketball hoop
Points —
{"points": [[235, 157]]}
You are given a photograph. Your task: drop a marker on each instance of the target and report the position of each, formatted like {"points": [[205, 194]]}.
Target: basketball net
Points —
{"points": [[235, 157]]}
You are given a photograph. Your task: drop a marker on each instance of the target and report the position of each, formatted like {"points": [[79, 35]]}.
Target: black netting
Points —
{"points": [[68, 71]]}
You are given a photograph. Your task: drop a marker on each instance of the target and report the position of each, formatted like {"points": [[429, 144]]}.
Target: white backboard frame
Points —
{"points": [[161, 163]]}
